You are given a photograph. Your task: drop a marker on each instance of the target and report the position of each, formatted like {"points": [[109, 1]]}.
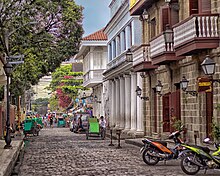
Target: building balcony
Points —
{"points": [[141, 59], [92, 78], [161, 52], [137, 6], [196, 33], [117, 61]]}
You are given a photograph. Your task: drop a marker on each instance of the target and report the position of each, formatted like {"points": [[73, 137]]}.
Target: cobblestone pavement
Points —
{"points": [[58, 151]]}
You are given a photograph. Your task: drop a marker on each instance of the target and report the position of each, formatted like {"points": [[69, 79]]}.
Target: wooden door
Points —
{"points": [[155, 110], [166, 112], [209, 113], [175, 107]]}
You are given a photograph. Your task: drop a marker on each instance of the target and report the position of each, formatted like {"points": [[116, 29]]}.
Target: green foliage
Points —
{"points": [[216, 131], [55, 38], [177, 124]]}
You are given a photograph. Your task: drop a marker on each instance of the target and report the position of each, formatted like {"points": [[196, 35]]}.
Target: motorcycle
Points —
{"points": [[199, 158], [155, 151]]}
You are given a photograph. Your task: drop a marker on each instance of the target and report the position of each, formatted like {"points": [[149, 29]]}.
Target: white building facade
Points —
{"points": [[93, 53], [124, 34]]}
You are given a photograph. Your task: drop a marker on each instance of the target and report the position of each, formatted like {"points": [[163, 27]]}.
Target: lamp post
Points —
{"points": [[184, 85], [8, 70], [208, 67], [139, 92], [159, 87]]}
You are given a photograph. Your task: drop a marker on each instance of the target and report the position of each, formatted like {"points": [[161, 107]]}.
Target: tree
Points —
{"points": [[66, 85], [55, 37]]}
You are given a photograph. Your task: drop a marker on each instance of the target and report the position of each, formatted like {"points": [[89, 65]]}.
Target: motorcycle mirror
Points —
{"points": [[206, 140]]}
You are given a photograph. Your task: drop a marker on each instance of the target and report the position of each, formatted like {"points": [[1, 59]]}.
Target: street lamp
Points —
{"points": [[208, 66], [139, 92], [129, 56], [168, 35], [96, 99], [8, 70], [159, 87], [184, 85]]}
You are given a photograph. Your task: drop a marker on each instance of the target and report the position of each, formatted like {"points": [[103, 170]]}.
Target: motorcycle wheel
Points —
{"points": [[148, 159], [189, 167]]}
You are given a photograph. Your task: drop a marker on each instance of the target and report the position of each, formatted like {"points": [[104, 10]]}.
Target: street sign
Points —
{"points": [[16, 62], [16, 57], [204, 84]]}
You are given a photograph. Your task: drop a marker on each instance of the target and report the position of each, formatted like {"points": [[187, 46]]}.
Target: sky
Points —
{"points": [[96, 14]]}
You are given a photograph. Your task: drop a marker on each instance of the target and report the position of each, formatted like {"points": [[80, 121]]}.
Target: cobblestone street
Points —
{"points": [[57, 151]]}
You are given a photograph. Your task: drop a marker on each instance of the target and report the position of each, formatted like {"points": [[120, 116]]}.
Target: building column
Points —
{"points": [[140, 113], [117, 103], [133, 103], [128, 36], [122, 102], [127, 102], [113, 103]]}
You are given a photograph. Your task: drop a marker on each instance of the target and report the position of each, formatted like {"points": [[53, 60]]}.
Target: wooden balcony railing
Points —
{"points": [[196, 26], [141, 54], [158, 46]]}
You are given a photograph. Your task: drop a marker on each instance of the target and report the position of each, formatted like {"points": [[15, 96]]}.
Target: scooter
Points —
{"points": [[155, 151], [198, 158]]}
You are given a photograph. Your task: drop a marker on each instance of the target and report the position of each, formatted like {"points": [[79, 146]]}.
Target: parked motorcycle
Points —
{"points": [[199, 158], [155, 151]]}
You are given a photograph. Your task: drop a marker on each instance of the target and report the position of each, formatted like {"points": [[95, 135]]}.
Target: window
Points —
{"points": [[165, 18], [153, 27], [200, 6]]}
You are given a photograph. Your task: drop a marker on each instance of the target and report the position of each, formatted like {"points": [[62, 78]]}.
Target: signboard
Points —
{"points": [[204, 84], [132, 3]]}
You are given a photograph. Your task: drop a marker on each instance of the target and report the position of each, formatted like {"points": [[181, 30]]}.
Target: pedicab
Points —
{"points": [[61, 122], [30, 127], [93, 128]]}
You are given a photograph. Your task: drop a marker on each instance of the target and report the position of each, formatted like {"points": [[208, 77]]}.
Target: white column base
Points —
{"points": [[139, 134]]}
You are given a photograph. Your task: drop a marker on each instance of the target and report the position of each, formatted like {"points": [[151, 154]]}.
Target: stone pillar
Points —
{"points": [[113, 105], [128, 36], [140, 120], [127, 102], [122, 102], [133, 103], [117, 103]]}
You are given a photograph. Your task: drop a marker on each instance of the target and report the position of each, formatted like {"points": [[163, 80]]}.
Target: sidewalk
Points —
{"points": [[8, 157]]}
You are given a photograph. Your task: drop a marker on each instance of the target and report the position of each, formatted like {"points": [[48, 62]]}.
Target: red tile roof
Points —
{"points": [[99, 35]]}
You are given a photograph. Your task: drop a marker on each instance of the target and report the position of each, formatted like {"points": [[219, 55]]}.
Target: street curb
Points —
{"points": [[9, 158]]}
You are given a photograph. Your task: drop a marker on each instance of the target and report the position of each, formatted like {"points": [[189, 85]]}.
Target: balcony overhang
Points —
{"points": [[164, 58], [144, 66], [196, 45], [139, 6]]}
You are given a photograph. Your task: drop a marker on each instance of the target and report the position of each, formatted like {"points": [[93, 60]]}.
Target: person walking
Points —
{"points": [[102, 125]]}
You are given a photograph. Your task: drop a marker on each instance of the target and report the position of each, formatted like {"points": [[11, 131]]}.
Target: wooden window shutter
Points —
{"points": [[193, 7], [165, 18], [205, 6], [174, 15]]}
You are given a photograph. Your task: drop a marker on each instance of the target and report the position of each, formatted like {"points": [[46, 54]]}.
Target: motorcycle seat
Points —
{"points": [[205, 149], [164, 143]]}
